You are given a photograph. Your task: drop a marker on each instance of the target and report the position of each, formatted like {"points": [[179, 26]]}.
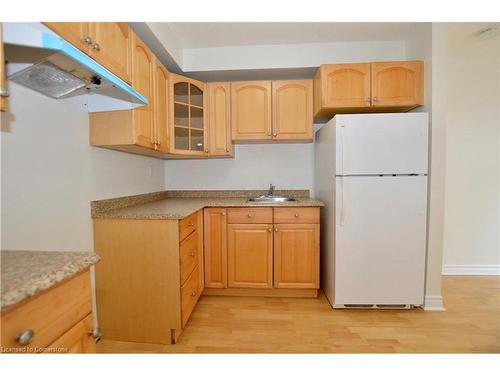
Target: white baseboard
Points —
{"points": [[433, 303], [473, 269]]}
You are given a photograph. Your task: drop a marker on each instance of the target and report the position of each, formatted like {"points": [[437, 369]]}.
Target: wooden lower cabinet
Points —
{"points": [[76, 340], [59, 319], [262, 251], [215, 244], [296, 256], [250, 256], [149, 278]]}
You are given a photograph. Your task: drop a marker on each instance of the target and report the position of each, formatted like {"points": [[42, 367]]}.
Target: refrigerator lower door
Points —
{"points": [[380, 240]]}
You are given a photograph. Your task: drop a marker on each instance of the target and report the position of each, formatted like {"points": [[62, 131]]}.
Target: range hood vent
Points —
{"points": [[42, 61]]}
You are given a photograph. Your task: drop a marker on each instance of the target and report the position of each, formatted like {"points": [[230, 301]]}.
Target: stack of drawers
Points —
{"points": [[190, 237]]}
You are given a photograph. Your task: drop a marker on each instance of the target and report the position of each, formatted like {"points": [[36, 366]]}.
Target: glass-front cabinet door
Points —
{"points": [[188, 123]]}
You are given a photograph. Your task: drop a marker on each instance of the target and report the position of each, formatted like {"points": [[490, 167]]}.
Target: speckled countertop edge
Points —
{"points": [[177, 205], [25, 274]]}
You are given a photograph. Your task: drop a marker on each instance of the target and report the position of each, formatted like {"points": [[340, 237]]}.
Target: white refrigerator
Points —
{"points": [[371, 173]]}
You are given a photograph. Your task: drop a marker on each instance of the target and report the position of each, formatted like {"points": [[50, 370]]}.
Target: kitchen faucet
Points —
{"points": [[270, 192]]}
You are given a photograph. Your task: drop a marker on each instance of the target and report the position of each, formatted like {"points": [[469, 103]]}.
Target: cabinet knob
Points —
{"points": [[87, 40], [269, 230], [249, 215], [191, 253], [25, 337], [274, 134], [368, 99], [191, 225], [96, 46], [296, 215], [4, 92], [227, 150], [275, 229], [223, 213], [375, 98]]}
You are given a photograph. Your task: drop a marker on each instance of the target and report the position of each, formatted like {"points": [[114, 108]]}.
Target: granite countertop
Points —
{"points": [[25, 274], [176, 208]]}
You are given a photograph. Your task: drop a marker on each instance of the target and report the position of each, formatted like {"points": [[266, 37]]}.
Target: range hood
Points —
{"points": [[41, 60]]}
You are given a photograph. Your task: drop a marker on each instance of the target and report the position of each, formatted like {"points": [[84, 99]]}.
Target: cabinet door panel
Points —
{"points": [[398, 83], [188, 132], [161, 108], [250, 256], [219, 119], [215, 226], [292, 110], [346, 85], [142, 81], [114, 47], [72, 32], [77, 340], [251, 110], [296, 256]]}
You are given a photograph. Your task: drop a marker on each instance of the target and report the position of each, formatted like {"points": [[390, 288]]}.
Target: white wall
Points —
{"points": [[50, 173], [420, 46], [472, 115], [288, 166], [289, 55]]}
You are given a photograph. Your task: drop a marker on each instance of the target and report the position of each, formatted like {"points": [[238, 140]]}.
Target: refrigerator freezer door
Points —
{"points": [[380, 240], [372, 144]]}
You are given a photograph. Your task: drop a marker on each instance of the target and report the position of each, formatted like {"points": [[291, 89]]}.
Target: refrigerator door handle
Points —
{"points": [[342, 207]]}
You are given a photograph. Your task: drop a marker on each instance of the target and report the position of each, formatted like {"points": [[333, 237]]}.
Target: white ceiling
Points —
{"points": [[220, 34]]}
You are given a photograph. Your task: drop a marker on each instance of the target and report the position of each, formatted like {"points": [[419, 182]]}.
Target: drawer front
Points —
{"points": [[49, 315], [289, 215], [189, 295], [189, 255], [188, 225], [250, 215]]}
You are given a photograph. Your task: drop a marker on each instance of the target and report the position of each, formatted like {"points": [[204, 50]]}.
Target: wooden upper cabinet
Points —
{"points": [[219, 119], [250, 256], [161, 107], [398, 83], [188, 135], [367, 87], [292, 110], [251, 110], [296, 256], [142, 81], [108, 43], [76, 33], [215, 246], [4, 92], [346, 85], [111, 46]]}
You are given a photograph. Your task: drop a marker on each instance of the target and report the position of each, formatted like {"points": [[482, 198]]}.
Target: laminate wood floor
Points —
{"points": [[471, 324]]}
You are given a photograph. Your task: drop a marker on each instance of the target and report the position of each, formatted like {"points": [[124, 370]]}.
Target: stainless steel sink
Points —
{"points": [[271, 199]]}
